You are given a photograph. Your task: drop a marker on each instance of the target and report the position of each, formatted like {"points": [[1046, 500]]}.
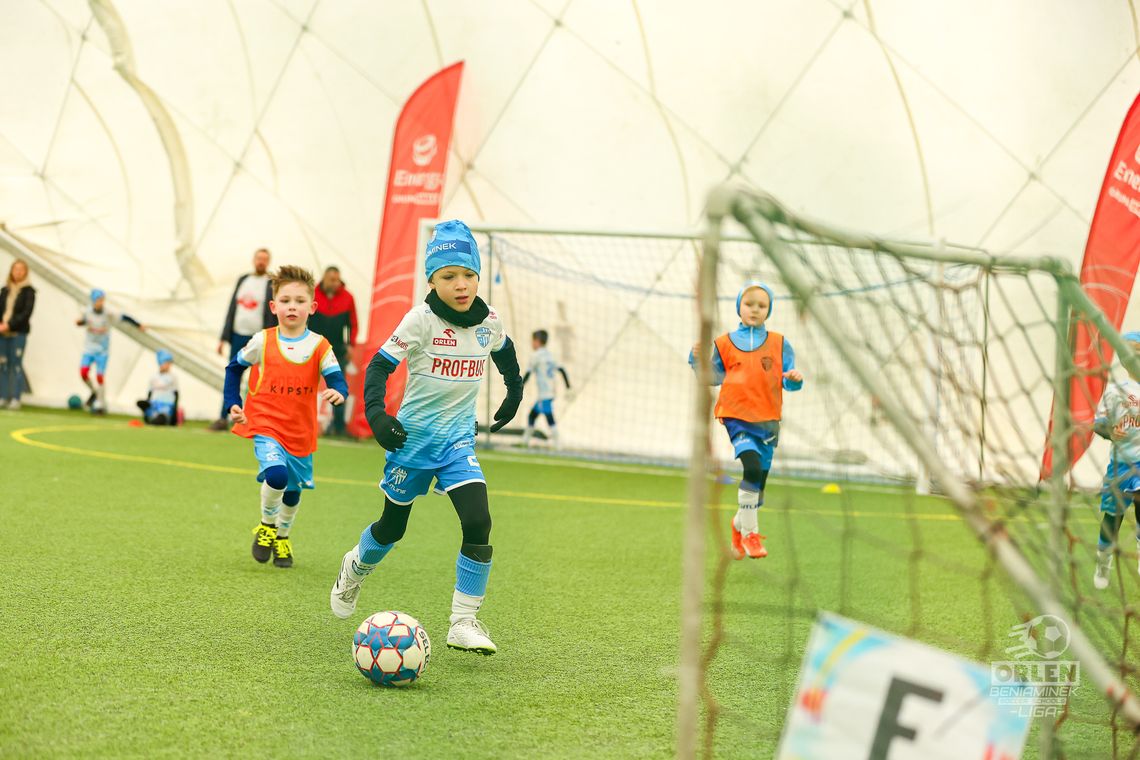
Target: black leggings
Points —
{"points": [[1110, 524], [470, 502], [753, 471], [534, 416]]}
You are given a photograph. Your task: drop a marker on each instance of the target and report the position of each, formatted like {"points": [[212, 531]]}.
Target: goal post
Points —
{"points": [[956, 359]]}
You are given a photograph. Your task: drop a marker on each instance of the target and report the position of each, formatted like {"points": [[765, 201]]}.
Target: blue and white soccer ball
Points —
{"points": [[391, 648]]}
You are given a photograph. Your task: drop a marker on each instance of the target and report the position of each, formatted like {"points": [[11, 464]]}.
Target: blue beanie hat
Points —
{"points": [[1133, 336], [163, 356], [756, 284], [452, 244], [96, 294]]}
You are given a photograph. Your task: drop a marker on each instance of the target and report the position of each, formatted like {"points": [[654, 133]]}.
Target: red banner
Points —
{"points": [[415, 190], [1108, 273]]}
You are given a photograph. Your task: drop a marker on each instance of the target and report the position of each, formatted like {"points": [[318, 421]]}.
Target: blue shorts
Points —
{"points": [[1121, 478], [403, 485], [270, 453], [99, 360], [545, 406], [761, 437], [159, 407]]}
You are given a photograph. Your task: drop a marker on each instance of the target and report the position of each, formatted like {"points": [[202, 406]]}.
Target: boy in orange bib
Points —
{"points": [[280, 411], [753, 367]]}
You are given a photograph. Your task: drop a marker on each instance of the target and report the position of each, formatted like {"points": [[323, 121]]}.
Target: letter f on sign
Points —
{"points": [[889, 726]]}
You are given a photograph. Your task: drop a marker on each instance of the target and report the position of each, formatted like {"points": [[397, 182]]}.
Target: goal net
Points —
{"points": [[928, 369]]}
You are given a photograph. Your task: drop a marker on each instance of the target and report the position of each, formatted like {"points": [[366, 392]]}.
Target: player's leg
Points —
{"points": [[401, 486], [530, 418], [300, 476], [746, 538], [472, 569], [1110, 499], [85, 374], [548, 412], [274, 478], [100, 405]]}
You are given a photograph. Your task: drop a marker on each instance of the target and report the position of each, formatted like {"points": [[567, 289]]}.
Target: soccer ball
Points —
{"points": [[1047, 636], [391, 648], [74, 402]]}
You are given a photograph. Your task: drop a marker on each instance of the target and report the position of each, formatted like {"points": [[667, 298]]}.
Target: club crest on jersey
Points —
{"points": [[483, 335], [397, 476], [766, 363]]}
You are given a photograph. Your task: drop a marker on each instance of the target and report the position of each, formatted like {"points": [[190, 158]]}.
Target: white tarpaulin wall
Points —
{"points": [[249, 123]]}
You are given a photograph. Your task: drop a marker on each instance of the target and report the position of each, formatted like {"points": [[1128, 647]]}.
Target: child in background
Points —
{"points": [[97, 346], [543, 366], [280, 410], [161, 404], [1118, 421], [753, 367]]}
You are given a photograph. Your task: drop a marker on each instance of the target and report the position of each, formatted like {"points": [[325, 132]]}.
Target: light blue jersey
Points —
{"points": [[543, 368], [445, 366], [98, 323]]}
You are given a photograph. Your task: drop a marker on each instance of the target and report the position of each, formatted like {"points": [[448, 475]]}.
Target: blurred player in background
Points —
{"points": [[248, 314], [97, 346], [543, 366], [753, 367], [1118, 421], [446, 341], [280, 410], [160, 407], [335, 318]]}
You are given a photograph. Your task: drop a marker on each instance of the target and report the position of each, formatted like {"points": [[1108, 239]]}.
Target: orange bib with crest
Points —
{"points": [[282, 399], [753, 387]]}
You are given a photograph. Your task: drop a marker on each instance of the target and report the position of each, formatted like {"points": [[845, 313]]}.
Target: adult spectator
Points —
{"points": [[248, 315], [335, 319], [17, 299]]}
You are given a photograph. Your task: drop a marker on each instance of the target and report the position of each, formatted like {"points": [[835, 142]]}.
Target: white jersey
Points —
{"points": [[163, 386], [297, 350], [1120, 405], [445, 365], [99, 323], [543, 368], [249, 312]]}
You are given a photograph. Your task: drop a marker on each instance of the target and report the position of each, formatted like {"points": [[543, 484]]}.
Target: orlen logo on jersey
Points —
{"points": [[448, 341], [458, 367]]}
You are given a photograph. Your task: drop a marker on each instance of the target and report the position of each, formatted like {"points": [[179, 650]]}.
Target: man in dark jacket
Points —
{"points": [[335, 319], [248, 315]]}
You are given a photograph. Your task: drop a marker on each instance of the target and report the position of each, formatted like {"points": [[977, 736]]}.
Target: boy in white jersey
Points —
{"points": [[97, 346], [543, 366], [1118, 420], [446, 341], [160, 407]]}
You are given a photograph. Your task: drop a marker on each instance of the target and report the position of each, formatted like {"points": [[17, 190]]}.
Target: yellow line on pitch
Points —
{"points": [[23, 436]]}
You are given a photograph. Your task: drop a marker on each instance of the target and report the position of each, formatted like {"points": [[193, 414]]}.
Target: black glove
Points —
{"points": [[389, 433], [509, 408]]}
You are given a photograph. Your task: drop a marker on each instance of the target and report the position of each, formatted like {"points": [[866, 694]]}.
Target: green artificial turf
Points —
{"points": [[135, 622]]}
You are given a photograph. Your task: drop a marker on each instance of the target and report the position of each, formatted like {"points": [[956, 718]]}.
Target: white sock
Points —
{"points": [[270, 503], [99, 393], [464, 606], [285, 516], [747, 515], [527, 434], [357, 570], [554, 435]]}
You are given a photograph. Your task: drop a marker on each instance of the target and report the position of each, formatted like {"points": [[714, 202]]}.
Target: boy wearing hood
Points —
{"points": [[446, 342], [753, 366], [1118, 421]]}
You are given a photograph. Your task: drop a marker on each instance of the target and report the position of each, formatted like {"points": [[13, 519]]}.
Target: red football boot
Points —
{"points": [[737, 543], [753, 545]]}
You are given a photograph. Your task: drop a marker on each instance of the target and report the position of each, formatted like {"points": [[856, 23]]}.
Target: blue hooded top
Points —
{"points": [[748, 338], [452, 244]]}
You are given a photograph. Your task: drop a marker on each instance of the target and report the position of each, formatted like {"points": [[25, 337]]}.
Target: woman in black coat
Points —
{"points": [[17, 299]]}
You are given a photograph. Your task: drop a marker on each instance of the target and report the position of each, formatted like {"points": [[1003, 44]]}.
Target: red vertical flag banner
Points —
{"points": [[1108, 273], [415, 190]]}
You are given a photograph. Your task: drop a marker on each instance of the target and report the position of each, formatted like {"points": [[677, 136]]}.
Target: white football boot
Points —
{"points": [[470, 635], [1103, 567], [342, 598]]}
